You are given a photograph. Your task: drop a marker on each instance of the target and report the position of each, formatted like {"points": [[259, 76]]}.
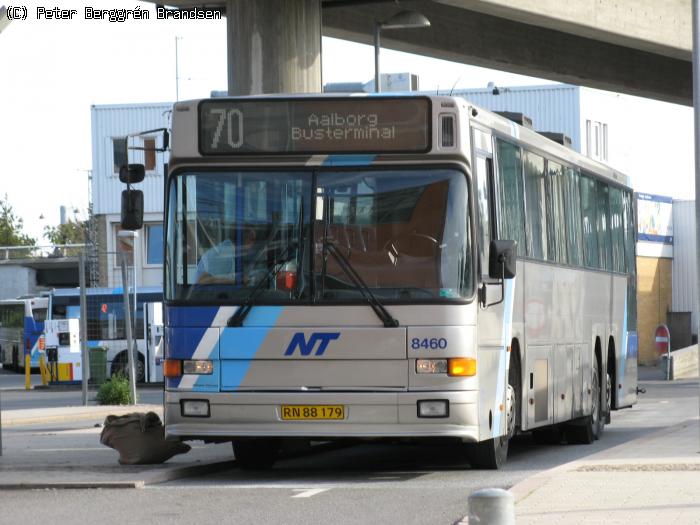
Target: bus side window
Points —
{"points": [[511, 225]]}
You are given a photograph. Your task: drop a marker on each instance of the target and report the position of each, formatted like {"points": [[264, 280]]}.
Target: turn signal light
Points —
{"points": [[172, 368], [461, 366]]}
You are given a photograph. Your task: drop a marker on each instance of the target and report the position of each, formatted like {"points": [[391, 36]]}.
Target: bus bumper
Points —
{"points": [[367, 415]]}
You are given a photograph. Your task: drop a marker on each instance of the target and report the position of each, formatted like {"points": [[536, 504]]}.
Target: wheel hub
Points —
{"points": [[510, 411]]}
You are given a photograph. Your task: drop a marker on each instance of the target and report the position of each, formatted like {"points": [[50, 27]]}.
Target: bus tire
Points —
{"points": [[585, 430], [120, 365], [488, 455], [252, 454], [493, 453]]}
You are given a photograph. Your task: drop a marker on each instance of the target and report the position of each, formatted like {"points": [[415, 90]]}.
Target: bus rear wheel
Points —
{"points": [[586, 430], [251, 454]]}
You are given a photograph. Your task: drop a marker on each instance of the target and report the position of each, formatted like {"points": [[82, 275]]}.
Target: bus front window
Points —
{"points": [[231, 233], [405, 232], [249, 236]]}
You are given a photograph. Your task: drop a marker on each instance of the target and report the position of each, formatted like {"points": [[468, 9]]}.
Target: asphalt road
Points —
{"points": [[14, 397], [364, 483]]}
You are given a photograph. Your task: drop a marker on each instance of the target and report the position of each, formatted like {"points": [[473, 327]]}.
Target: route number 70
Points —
{"points": [[232, 120]]}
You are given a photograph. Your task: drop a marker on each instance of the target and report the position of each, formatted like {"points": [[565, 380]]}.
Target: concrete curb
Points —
{"points": [[26, 417], [529, 485], [74, 485]]}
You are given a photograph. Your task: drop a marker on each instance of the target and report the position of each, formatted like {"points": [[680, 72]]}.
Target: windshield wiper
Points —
{"points": [[237, 318], [386, 318]]}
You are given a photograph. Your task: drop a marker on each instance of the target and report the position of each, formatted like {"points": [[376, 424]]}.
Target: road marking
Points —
{"points": [[307, 493]]}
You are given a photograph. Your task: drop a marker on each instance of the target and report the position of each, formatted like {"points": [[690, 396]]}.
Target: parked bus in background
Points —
{"points": [[21, 327], [105, 322], [407, 267]]}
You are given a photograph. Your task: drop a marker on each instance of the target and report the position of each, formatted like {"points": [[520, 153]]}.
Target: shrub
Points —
{"points": [[115, 391]]}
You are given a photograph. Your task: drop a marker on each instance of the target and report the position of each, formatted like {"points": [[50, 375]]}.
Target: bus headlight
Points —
{"points": [[431, 366], [200, 367], [454, 366], [433, 408], [194, 408]]}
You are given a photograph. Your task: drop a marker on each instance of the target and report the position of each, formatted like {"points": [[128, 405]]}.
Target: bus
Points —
{"points": [[105, 322], [410, 267], [21, 327]]}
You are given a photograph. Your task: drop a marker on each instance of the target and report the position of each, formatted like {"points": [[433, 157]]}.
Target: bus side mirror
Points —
{"points": [[132, 210], [502, 259], [132, 173]]}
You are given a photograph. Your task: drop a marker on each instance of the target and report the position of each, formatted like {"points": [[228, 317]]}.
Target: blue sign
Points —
{"points": [[654, 218]]}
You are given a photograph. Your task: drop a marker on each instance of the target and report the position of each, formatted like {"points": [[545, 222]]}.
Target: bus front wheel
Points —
{"points": [[490, 454]]}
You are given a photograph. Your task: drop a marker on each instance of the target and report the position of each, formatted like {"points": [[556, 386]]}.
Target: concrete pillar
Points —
{"points": [[274, 46]]}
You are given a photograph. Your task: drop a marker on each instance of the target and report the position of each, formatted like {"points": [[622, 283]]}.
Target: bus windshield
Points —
{"points": [[405, 232]]}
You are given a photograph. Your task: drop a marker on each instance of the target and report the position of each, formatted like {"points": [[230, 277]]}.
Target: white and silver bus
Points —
{"points": [[21, 328], [106, 326], [390, 267]]}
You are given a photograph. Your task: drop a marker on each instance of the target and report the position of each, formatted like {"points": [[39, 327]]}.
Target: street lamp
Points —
{"points": [[401, 20]]}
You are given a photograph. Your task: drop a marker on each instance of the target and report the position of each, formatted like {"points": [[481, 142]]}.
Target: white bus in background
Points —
{"points": [[390, 266], [105, 323], [21, 327]]}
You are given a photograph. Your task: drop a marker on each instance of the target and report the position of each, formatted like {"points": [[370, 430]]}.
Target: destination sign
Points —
{"points": [[325, 125]]}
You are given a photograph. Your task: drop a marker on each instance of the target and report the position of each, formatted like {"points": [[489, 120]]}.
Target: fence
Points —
{"points": [[108, 310], [40, 251]]}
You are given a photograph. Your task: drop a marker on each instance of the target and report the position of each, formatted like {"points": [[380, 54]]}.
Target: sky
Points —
{"points": [[52, 71]]}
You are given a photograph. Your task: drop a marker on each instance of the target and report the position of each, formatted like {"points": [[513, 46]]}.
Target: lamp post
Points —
{"points": [[401, 20], [132, 351]]}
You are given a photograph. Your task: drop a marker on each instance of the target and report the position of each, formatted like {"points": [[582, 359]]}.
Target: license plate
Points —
{"points": [[313, 412]]}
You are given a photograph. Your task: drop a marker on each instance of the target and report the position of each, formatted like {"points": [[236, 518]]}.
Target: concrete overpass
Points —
{"points": [[640, 47]]}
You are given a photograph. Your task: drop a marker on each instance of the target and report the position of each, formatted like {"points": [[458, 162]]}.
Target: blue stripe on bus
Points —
{"points": [[244, 343], [181, 342], [503, 358], [349, 160], [201, 316], [32, 332]]}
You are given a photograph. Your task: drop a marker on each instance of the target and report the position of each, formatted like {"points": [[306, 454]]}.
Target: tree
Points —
{"points": [[11, 227], [71, 232]]}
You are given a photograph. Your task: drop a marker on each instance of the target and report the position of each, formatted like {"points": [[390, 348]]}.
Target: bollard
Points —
{"points": [[27, 372], [44, 371], [491, 507]]}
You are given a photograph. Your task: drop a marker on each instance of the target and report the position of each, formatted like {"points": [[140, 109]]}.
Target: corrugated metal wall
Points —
{"points": [[684, 260], [551, 107], [113, 121]]}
